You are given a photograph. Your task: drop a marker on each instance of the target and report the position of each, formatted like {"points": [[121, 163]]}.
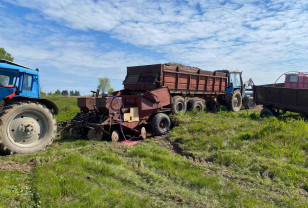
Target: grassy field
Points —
{"points": [[210, 160]]}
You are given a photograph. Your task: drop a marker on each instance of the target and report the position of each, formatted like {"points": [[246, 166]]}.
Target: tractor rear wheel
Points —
{"points": [[26, 127], [160, 124], [235, 101]]}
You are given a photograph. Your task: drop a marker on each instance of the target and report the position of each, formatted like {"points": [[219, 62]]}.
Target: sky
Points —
{"points": [[75, 42]]}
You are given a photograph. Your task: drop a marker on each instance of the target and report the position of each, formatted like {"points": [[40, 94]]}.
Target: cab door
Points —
{"points": [[30, 86]]}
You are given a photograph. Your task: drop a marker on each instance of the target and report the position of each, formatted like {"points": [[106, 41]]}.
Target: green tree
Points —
{"points": [[57, 92], [72, 93], [103, 85], [5, 55], [110, 91], [64, 93], [77, 93]]}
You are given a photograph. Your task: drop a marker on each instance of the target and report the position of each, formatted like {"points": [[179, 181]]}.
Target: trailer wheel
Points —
{"points": [[267, 112], [235, 101], [26, 127], [115, 136], [160, 124], [95, 134], [195, 105], [179, 105]]}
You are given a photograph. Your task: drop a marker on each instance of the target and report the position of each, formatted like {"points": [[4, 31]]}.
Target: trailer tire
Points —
{"points": [[194, 104], [179, 105], [26, 127], [235, 101], [267, 112], [160, 124]]}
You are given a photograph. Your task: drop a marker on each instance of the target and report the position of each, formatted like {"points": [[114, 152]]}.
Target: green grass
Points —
{"points": [[213, 160]]}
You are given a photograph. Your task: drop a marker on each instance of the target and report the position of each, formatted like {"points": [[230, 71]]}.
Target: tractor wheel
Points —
{"points": [[115, 136], [178, 105], [26, 128], [143, 133], [95, 134], [160, 124], [235, 101], [249, 103], [267, 112]]}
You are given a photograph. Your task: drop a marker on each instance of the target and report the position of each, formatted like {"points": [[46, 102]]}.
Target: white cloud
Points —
{"points": [[257, 36]]}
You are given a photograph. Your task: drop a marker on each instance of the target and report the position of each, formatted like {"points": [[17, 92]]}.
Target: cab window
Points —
{"points": [[27, 82], [7, 78]]}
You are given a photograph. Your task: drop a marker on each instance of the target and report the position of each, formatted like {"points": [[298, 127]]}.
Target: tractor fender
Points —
{"points": [[49, 104]]}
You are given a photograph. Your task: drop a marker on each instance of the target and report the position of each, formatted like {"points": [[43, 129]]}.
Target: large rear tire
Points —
{"points": [[235, 101], [160, 124], [26, 127], [179, 105]]}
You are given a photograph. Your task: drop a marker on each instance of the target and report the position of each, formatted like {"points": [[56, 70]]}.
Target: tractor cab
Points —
{"points": [[18, 81], [235, 81], [238, 93]]}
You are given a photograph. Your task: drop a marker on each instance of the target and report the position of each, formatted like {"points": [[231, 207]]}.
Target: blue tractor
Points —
{"points": [[27, 122], [238, 93]]}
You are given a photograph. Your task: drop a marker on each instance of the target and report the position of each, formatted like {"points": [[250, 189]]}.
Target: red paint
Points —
{"points": [[130, 143], [11, 95]]}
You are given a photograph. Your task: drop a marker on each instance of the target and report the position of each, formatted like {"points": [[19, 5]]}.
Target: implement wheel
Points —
{"points": [[143, 133], [178, 105], [95, 134], [26, 128], [115, 136], [160, 124]]}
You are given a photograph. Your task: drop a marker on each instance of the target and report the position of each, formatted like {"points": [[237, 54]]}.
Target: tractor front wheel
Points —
{"points": [[26, 127]]}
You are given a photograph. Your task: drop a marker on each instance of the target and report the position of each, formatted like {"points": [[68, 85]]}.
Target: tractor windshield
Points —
{"points": [[7, 78], [235, 79]]}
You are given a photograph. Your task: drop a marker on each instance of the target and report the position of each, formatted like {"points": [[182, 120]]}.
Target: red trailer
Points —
{"points": [[190, 87]]}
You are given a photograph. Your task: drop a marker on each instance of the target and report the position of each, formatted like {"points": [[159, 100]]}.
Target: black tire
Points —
{"points": [[74, 132], [160, 124], [179, 105], [267, 112], [95, 134], [26, 127], [249, 103], [195, 104], [235, 101]]}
